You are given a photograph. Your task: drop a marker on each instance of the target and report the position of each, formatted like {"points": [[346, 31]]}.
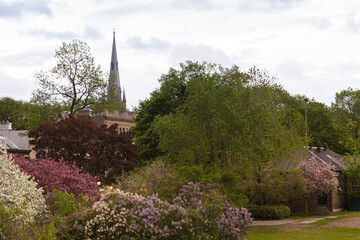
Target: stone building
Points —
{"points": [[114, 88], [15, 141], [124, 118], [323, 203]]}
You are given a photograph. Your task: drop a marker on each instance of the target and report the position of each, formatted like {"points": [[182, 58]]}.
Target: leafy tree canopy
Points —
{"points": [[213, 115], [99, 150], [75, 81]]}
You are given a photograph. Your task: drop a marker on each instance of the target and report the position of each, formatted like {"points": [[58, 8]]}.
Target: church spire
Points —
{"points": [[114, 89], [124, 98]]}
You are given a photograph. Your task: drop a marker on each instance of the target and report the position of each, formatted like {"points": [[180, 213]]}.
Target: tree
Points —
{"points": [[99, 150], [229, 119], [75, 80], [51, 175], [15, 112], [162, 102], [17, 190], [319, 178]]}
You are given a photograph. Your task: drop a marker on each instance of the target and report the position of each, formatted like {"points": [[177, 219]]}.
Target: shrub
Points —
{"points": [[221, 218], [228, 181], [269, 212], [69, 214], [18, 190], [14, 228], [198, 212], [156, 178], [59, 175]]}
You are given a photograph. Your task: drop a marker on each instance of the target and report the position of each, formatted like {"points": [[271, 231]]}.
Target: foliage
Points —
{"points": [[319, 177], [69, 214], [59, 175], [121, 215], [269, 212], [217, 215], [228, 181], [163, 101], [17, 190], [14, 228], [14, 111], [352, 172], [99, 150], [228, 120], [346, 110], [158, 177], [75, 80], [274, 186]]}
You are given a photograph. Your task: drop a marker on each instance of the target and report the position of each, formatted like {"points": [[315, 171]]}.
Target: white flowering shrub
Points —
{"points": [[17, 190]]}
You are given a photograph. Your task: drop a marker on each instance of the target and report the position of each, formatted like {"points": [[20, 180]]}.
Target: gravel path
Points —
{"points": [[293, 221]]}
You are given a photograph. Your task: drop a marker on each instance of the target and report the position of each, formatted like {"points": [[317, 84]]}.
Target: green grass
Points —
{"points": [[317, 231], [272, 233]]}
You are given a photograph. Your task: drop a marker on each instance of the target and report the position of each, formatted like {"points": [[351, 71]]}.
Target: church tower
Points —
{"points": [[114, 88]]}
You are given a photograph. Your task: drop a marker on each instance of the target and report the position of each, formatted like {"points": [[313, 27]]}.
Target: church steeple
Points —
{"points": [[124, 98], [114, 89]]}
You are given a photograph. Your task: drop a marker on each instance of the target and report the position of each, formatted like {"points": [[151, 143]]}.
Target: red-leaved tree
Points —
{"points": [[319, 177], [59, 175], [97, 149]]}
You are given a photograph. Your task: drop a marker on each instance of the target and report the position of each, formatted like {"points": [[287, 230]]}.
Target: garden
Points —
{"points": [[47, 199]]}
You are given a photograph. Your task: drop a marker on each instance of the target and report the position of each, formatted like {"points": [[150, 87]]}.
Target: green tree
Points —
{"points": [[162, 102], [229, 118], [75, 81], [14, 111], [346, 110]]}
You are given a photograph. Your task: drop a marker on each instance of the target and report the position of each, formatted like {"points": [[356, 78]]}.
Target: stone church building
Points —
{"points": [[124, 118]]}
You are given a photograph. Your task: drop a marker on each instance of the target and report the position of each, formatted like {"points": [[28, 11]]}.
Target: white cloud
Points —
{"points": [[16, 9], [200, 53]]}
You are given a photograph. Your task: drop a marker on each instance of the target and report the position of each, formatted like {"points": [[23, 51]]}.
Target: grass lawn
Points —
{"points": [[340, 228]]}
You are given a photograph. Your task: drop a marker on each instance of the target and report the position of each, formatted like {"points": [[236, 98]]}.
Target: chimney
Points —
{"points": [[325, 146], [85, 112], [318, 145], [310, 145]]}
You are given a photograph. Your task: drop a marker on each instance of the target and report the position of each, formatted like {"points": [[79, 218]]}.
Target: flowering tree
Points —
{"points": [[17, 190], [99, 150], [319, 177], [59, 175]]}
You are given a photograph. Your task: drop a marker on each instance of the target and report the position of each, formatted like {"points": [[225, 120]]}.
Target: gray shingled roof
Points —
{"points": [[322, 154]]}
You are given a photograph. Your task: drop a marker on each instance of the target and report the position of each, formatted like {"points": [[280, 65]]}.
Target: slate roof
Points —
{"points": [[321, 154], [14, 139]]}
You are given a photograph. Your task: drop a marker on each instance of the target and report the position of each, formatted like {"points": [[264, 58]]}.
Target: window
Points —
{"points": [[322, 199], [354, 186]]}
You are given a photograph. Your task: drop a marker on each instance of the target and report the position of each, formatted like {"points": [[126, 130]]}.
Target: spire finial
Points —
{"points": [[114, 31]]}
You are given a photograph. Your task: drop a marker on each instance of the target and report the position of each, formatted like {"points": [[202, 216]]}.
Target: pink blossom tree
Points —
{"points": [[319, 177], [50, 175]]}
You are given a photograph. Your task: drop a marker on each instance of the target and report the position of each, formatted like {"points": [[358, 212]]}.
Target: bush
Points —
{"points": [[222, 219], [228, 181], [269, 212], [69, 214], [14, 228], [156, 178], [59, 175], [18, 190], [198, 212]]}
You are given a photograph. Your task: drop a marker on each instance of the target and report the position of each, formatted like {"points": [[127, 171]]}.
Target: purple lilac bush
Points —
{"points": [[219, 216], [198, 212], [59, 175]]}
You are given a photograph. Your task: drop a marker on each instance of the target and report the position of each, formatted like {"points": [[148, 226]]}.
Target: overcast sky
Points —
{"points": [[311, 46]]}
